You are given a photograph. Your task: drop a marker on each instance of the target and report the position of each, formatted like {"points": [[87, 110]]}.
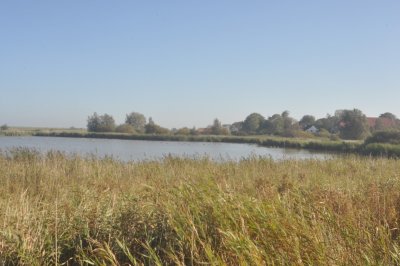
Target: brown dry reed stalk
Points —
{"points": [[70, 210]]}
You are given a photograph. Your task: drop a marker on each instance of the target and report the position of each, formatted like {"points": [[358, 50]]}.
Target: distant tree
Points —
{"points": [[381, 124], [353, 124], [93, 122], [330, 123], [137, 120], [125, 128], [307, 121], [102, 123], [252, 123], [267, 127], [216, 128], [236, 128], [107, 123], [183, 131], [388, 116], [194, 131], [279, 124], [4, 127], [285, 114], [290, 126], [153, 128], [276, 124]]}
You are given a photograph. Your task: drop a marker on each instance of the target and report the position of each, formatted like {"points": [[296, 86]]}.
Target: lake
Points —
{"points": [[136, 150]]}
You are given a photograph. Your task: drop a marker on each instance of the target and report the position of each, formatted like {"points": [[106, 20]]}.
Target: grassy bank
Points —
{"points": [[30, 131], [198, 212], [316, 144]]}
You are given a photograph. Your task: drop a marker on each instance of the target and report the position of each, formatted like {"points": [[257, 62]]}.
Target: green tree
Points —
{"points": [[307, 121], [125, 128], [353, 124], [153, 128], [330, 123], [388, 116], [216, 128], [383, 125], [277, 124], [183, 131], [285, 114], [100, 123], [4, 127], [93, 122], [137, 120], [252, 123], [267, 127], [194, 131]]}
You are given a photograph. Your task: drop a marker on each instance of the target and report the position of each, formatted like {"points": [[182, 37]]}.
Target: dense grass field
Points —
{"points": [[86, 211]]}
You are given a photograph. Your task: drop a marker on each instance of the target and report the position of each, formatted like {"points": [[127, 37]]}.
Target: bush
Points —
{"points": [[302, 134], [125, 128], [389, 137], [183, 131]]}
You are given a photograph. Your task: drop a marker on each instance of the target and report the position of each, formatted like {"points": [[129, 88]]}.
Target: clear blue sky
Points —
{"points": [[185, 63]]}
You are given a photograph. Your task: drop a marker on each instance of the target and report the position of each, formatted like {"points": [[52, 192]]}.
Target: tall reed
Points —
{"points": [[69, 210]]}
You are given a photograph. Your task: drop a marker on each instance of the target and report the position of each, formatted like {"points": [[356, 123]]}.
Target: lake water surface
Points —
{"points": [[136, 150]]}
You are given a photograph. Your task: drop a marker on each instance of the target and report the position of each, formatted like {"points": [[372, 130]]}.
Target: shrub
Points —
{"points": [[390, 137], [125, 128]]}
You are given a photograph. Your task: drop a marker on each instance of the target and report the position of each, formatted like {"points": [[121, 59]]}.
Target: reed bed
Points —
{"points": [[69, 210]]}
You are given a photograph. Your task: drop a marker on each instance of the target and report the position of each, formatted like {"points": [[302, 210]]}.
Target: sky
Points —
{"points": [[185, 63]]}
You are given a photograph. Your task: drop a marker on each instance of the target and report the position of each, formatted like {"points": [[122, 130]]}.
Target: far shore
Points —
{"points": [[313, 144]]}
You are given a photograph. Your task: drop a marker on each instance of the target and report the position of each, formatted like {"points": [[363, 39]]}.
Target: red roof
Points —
{"points": [[386, 122]]}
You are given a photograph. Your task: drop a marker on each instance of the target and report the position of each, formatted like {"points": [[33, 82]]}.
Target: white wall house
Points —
{"points": [[312, 129]]}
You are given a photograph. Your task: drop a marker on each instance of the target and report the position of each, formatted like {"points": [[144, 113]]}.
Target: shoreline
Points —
{"points": [[339, 146]]}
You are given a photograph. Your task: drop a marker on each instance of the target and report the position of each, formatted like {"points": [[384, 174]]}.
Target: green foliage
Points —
{"points": [[382, 149], [137, 120], [125, 128], [388, 116], [323, 133], [389, 137], [218, 129], [153, 128], [329, 123], [353, 124], [4, 127], [307, 121], [252, 123], [277, 124], [102, 123], [183, 131], [280, 124]]}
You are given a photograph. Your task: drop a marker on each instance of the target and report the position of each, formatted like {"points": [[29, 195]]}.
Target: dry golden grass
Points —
{"points": [[72, 211]]}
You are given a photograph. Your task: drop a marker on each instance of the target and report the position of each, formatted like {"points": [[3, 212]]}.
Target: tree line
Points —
{"points": [[345, 124], [135, 123]]}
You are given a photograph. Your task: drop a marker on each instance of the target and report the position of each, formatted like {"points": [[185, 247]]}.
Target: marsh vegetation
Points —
{"points": [[74, 210]]}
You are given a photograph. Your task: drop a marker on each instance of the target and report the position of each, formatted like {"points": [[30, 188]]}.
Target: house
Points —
{"points": [[204, 131], [381, 122], [312, 129]]}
